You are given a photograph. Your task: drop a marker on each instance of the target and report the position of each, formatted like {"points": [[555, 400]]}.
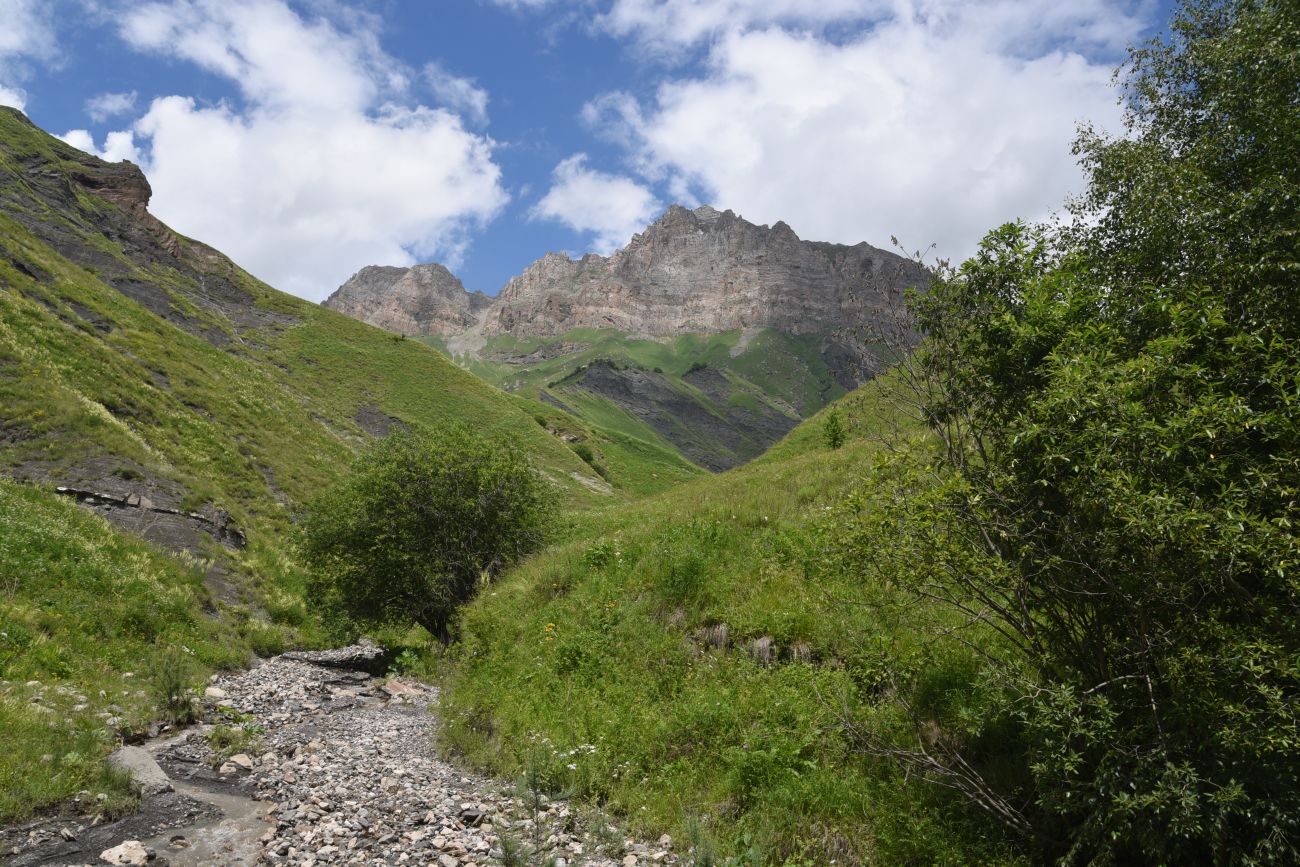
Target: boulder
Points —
{"points": [[132, 853], [146, 777]]}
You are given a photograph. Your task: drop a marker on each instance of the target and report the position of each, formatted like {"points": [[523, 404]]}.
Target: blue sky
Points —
{"points": [[308, 138]]}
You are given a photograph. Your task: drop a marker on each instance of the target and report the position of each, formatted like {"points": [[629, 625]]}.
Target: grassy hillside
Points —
{"points": [[205, 407], [132, 359], [87, 618], [720, 399], [691, 660]]}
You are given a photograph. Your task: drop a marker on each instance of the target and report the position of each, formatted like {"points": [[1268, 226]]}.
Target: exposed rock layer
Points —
{"points": [[700, 271], [426, 299]]}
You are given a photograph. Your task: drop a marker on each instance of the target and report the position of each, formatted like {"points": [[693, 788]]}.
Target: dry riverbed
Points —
{"points": [[340, 769]]}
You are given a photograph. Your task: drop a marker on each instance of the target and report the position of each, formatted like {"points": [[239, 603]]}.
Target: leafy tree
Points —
{"points": [[833, 429], [419, 522], [1116, 505]]}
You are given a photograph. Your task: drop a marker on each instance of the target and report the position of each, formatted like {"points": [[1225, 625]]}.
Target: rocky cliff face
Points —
{"points": [[426, 299], [704, 271], [700, 271]]}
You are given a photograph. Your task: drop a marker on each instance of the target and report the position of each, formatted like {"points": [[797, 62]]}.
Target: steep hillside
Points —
{"points": [[138, 363], [147, 379], [719, 399], [696, 663]]}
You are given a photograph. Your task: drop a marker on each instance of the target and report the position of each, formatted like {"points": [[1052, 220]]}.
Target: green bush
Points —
{"points": [[833, 429], [423, 518], [1115, 519]]}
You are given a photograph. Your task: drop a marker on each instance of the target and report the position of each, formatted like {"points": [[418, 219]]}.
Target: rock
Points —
{"points": [[629, 861], [146, 777], [242, 761], [396, 689], [67, 834], [132, 853], [445, 860], [215, 693], [700, 271], [425, 299]]}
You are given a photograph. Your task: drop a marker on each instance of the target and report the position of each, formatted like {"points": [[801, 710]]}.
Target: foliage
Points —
{"points": [[833, 429], [626, 657], [420, 521], [171, 680], [1114, 512]]}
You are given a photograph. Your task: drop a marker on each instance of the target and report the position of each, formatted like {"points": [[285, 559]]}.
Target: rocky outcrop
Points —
{"points": [[426, 299], [702, 271], [705, 271]]}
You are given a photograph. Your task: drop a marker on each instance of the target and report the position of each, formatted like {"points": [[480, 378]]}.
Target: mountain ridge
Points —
{"points": [[691, 271]]}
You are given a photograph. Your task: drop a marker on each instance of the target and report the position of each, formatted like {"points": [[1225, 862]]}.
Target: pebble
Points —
{"points": [[349, 774]]}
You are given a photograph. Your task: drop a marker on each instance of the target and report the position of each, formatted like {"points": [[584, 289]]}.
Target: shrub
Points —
{"points": [[1118, 492], [833, 429], [420, 521]]}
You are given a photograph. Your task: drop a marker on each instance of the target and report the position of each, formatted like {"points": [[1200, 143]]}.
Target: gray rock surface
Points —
{"points": [[425, 299], [704, 271], [700, 271], [146, 777]]}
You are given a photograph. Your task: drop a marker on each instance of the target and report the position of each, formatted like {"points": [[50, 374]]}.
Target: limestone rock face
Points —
{"points": [[425, 299], [704, 271], [701, 271]]}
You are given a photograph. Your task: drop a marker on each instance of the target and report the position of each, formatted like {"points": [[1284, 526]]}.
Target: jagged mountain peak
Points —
{"points": [[700, 270], [421, 299]]}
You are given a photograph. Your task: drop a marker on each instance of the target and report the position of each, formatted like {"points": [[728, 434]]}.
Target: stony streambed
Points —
{"points": [[343, 771]]}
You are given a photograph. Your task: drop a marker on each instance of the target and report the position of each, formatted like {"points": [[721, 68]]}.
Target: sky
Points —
{"points": [[309, 138]]}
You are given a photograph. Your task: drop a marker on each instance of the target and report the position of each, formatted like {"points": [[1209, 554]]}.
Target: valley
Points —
{"points": [[706, 335], [719, 548]]}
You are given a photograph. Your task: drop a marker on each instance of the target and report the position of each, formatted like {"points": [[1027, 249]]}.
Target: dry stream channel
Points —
{"points": [[344, 772]]}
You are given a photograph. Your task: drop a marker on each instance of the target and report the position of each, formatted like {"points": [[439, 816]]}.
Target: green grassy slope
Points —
{"points": [[133, 360], [689, 659], [249, 405], [86, 615], [767, 372]]}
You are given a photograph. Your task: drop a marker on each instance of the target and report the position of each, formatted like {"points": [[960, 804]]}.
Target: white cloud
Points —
{"points": [[610, 207], [326, 166], [13, 96], [118, 146], [666, 24], [26, 34], [101, 108], [934, 123], [456, 93]]}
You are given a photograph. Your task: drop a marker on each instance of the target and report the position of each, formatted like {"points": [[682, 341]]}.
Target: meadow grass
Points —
{"points": [[86, 617], [693, 659]]}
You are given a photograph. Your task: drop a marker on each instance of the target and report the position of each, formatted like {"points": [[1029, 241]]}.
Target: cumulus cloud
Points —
{"points": [[13, 96], [1028, 23], [668, 24], [101, 108], [611, 208], [26, 34], [326, 165], [934, 122], [456, 93], [118, 146]]}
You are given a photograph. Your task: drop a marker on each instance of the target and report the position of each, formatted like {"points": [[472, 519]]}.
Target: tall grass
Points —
{"points": [[692, 661]]}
